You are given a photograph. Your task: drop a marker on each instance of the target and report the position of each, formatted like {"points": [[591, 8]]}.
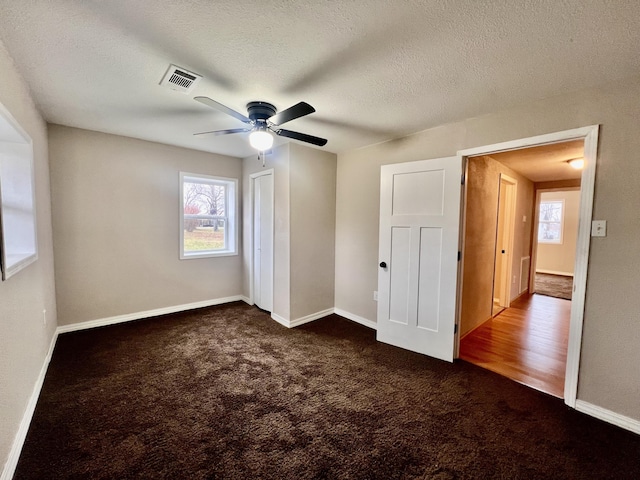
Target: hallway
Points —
{"points": [[526, 342]]}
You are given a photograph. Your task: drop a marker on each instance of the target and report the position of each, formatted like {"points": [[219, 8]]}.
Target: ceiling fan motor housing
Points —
{"points": [[260, 111], [263, 117]]}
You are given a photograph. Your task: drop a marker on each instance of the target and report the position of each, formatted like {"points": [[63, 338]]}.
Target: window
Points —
{"points": [[207, 216], [550, 221], [18, 245]]}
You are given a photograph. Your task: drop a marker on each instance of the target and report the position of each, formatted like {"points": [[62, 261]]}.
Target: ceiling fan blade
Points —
{"points": [[299, 110], [303, 137], [225, 132], [218, 106]]}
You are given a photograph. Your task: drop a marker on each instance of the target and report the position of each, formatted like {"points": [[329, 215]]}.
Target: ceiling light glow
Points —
{"points": [[261, 140], [577, 163]]}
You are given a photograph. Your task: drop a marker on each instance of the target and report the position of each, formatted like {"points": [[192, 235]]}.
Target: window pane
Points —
{"points": [[204, 235], [204, 198], [549, 232], [551, 211], [550, 225], [207, 216]]}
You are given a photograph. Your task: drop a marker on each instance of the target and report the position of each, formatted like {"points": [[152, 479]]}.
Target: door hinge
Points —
{"points": [[459, 255], [455, 328], [462, 179]]}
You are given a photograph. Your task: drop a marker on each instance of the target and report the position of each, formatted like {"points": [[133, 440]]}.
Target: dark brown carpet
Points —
{"points": [[559, 286], [227, 393]]}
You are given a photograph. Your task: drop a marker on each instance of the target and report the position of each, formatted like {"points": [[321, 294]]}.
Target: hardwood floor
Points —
{"points": [[527, 342]]}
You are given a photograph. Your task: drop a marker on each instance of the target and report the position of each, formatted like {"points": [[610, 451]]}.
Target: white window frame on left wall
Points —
{"points": [[230, 216], [18, 234]]}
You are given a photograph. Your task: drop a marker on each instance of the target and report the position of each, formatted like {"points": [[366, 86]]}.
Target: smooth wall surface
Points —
{"points": [[313, 221], [608, 373], [482, 187], [559, 258], [24, 337], [116, 214]]}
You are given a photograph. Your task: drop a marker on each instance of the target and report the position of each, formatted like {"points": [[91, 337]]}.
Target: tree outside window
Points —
{"points": [[551, 221], [208, 216]]}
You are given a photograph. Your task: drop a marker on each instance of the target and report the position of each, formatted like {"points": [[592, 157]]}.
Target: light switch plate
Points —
{"points": [[599, 228]]}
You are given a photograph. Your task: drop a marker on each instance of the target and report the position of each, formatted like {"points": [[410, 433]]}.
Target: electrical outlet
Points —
{"points": [[44, 317], [375, 295]]}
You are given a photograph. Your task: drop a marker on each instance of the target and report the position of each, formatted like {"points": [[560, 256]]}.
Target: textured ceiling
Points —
{"points": [[374, 70], [544, 163]]}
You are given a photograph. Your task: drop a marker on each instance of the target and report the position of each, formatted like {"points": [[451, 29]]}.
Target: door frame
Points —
{"points": [[590, 136], [508, 227], [252, 181]]}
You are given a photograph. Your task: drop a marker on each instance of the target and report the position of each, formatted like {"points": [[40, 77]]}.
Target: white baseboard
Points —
{"points": [[18, 442], [608, 416], [101, 322], [302, 320], [281, 320], [310, 318], [356, 318], [245, 300], [555, 272]]}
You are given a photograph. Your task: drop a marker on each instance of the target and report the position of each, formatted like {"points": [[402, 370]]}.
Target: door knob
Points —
{"points": [[383, 264]]}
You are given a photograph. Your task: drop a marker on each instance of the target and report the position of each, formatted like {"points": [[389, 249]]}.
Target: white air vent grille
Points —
{"points": [[180, 79]]}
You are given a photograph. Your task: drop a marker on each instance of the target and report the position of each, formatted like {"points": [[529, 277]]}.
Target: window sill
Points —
{"points": [[194, 255]]}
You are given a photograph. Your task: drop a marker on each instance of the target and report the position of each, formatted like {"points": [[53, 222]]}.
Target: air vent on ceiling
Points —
{"points": [[180, 79]]}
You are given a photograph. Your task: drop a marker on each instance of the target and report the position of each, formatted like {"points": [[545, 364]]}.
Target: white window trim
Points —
{"points": [[18, 221], [231, 226], [561, 239]]}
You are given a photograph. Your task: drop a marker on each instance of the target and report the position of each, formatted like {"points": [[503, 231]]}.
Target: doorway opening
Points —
{"points": [[506, 324]]}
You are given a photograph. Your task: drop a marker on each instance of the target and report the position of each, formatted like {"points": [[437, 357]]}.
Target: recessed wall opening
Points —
{"points": [[18, 238], [521, 226]]}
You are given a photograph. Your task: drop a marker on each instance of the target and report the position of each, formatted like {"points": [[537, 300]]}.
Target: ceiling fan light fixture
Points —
{"points": [[577, 163], [262, 121], [261, 140]]}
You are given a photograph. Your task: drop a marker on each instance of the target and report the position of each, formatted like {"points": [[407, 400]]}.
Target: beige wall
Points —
{"points": [[304, 234], [313, 220], [560, 258], [116, 226], [608, 374], [482, 189], [24, 338]]}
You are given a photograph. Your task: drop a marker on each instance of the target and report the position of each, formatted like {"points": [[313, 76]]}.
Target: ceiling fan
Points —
{"points": [[262, 119]]}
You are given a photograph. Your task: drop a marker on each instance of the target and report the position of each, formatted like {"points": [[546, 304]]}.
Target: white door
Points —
{"points": [[263, 241], [505, 228], [504, 243], [418, 255]]}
